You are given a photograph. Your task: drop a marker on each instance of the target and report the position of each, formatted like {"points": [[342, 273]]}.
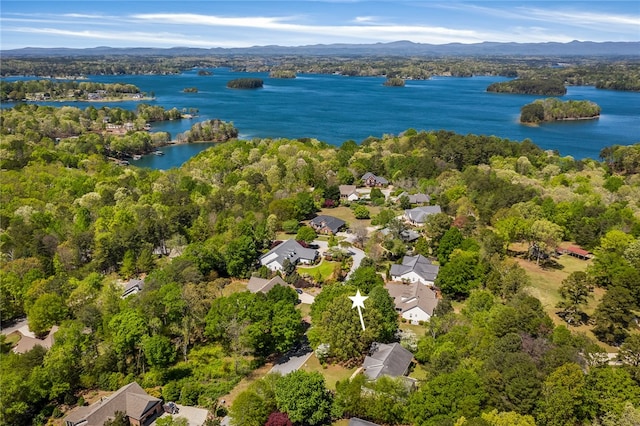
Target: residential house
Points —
{"points": [[387, 360], [354, 421], [348, 193], [28, 340], [416, 198], [132, 286], [140, 408], [419, 215], [263, 285], [406, 235], [414, 302], [415, 269], [369, 179], [291, 250], [324, 224]]}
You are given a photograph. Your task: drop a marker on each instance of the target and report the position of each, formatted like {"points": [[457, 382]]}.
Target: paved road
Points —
{"points": [[17, 326], [292, 361], [358, 255]]}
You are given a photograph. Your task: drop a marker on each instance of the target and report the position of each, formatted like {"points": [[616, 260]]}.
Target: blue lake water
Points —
{"points": [[334, 108]]}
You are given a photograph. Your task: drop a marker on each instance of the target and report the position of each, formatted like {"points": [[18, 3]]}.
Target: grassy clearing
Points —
{"points": [[332, 373], [234, 287], [12, 339], [418, 330], [244, 384], [545, 283], [346, 214]]}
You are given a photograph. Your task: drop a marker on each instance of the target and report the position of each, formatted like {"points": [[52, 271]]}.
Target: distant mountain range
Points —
{"points": [[397, 48]]}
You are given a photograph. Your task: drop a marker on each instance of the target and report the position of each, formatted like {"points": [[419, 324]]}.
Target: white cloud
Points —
{"points": [[143, 38], [586, 19]]}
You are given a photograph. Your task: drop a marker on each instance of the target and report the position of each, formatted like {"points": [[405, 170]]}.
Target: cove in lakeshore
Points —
{"points": [[334, 109]]}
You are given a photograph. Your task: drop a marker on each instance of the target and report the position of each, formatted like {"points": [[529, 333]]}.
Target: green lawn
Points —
{"points": [[324, 268], [331, 374]]}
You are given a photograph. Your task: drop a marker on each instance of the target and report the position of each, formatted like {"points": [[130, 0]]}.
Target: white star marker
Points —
{"points": [[358, 302]]}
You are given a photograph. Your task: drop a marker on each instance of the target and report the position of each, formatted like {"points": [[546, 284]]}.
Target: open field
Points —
{"points": [[545, 283], [346, 214]]}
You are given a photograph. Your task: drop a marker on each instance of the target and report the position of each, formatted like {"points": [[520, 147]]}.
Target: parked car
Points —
{"points": [[298, 291]]}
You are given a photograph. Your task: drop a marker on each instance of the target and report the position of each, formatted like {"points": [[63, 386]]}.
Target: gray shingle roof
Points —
{"points": [[420, 214], [330, 222], [289, 249], [378, 179], [387, 359], [354, 421], [418, 264]]}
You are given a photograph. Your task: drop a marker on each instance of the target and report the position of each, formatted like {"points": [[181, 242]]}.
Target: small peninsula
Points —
{"points": [[530, 86], [245, 83], [553, 109], [68, 91]]}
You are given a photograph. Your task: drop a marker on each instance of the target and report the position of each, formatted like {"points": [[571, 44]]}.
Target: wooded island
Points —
{"points": [[553, 109]]}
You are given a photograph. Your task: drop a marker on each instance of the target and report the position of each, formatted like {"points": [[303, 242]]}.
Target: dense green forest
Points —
{"points": [[553, 109], [530, 87], [598, 72], [76, 226], [38, 90]]}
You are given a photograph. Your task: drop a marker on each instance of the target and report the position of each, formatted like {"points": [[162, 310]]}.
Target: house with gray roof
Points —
{"points": [[415, 269], [387, 360], [419, 215], [354, 421], [324, 224], [369, 179], [262, 285], [291, 250], [416, 198], [414, 302], [132, 286], [139, 407]]}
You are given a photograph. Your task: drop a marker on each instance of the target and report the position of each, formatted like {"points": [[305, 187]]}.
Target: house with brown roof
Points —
{"points": [[28, 341], [139, 407], [349, 193], [414, 302], [262, 285]]}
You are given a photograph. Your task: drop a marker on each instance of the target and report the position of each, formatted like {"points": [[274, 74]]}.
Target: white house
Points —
{"points": [[349, 193], [414, 302], [415, 269], [291, 250]]}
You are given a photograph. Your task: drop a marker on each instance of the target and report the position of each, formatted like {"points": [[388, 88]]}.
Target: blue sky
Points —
{"points": [[145, 23]]}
